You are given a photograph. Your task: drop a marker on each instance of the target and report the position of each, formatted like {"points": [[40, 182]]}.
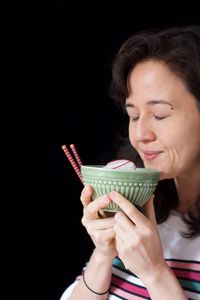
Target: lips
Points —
{"points": [[150, 155]]}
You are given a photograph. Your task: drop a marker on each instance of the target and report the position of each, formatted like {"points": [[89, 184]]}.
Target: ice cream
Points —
{"points": [[120, 164]]}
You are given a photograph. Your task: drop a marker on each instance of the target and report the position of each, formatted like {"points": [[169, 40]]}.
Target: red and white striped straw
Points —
{"points": [[72, 146], [72, 162]]}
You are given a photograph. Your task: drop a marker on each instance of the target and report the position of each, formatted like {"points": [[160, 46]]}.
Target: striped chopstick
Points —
{"points": [[75, 165]]}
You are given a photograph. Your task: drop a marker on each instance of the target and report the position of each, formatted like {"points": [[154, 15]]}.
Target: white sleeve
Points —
{"points": [[68, 291]]}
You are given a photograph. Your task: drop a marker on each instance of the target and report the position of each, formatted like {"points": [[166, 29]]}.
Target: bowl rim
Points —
{"points": [[101, 168], [139, 174]]}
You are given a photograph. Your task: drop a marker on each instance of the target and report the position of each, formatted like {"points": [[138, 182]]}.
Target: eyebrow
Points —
{"points": [[150, 102]]}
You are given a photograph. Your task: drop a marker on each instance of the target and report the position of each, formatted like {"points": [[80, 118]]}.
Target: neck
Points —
{"points": [[188, 189]]}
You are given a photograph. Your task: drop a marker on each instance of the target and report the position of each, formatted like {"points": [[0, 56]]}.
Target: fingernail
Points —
{"points": [[112, 195], [105, 199], [85, 191]]}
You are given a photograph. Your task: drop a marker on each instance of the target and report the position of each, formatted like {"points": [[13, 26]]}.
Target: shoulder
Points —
{"points": [[175, 245]]}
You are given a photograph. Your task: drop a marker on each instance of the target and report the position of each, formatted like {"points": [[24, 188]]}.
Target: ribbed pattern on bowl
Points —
{"points": [[137, 192], [137, 186]]}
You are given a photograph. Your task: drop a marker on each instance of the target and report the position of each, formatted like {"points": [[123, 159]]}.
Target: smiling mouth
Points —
{"points": [[150, 155]]}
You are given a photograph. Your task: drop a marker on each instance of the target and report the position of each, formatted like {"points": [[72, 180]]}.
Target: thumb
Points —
{"points": [[150, 211], [86, 195]]}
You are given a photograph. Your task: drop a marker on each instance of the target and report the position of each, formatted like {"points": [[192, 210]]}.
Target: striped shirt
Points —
{"points": [[181, 254]]}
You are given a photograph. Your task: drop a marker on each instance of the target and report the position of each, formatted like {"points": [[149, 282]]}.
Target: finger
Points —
{"points": [[96, 205], [123, 222], [150, 211], [105, 236], [118, 243], [100, 224], [86, 195], [128, 208]]}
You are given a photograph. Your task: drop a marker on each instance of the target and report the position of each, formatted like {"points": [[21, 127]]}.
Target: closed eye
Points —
{"points": [[134, 119], [159, 117]]}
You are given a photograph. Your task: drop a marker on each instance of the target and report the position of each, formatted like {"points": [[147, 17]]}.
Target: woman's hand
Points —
{"points": [[100, 229], [137, 238]]}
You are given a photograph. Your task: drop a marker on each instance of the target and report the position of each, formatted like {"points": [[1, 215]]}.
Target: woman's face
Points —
{"points": [[164, 122]]}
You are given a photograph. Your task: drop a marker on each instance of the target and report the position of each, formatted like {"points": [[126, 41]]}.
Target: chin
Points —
{"points": [[164, 175], [163, 170]]}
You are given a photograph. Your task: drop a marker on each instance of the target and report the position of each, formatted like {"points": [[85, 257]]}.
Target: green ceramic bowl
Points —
{"points": [[136, 185]]}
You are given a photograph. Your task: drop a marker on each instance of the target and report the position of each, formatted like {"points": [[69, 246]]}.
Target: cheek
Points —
{"points": [[186, 140], [131, 138]]}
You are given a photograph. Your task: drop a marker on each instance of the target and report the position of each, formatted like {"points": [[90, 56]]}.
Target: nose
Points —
{"points": [[144, 131]]}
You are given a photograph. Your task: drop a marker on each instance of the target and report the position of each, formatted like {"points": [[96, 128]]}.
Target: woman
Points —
{"points": [[156, 78]]}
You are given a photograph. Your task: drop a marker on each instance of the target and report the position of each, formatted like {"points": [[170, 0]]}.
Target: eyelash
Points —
{"points": [[134, 119], [160, 118]]}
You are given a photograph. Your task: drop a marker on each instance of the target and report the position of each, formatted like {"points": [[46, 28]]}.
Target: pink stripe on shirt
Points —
{"points": [[121, 293], [187, 274], [184, 265], [130, 287]]}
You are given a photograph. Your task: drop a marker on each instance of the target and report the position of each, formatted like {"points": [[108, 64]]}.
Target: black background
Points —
{"points": [[56, 71]]}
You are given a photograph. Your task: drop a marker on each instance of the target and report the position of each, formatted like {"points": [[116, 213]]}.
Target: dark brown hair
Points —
{"points": [[179, 49]]}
